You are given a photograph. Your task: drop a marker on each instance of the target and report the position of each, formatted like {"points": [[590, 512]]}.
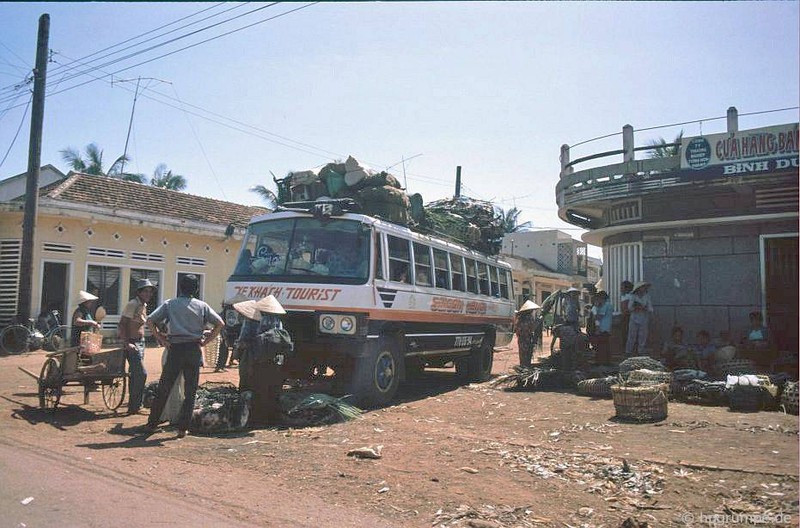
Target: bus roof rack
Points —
{"points": [[326, 208]]}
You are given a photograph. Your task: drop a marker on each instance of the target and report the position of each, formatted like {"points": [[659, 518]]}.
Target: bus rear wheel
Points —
{"points": [[376, 374], [477, 367]]}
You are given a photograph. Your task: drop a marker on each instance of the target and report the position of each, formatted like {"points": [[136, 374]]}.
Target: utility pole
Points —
{"points": [[458, 181], [34, 164]]}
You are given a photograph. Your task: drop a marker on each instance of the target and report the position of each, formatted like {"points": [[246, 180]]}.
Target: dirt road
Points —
{"points": [[452, 456]]}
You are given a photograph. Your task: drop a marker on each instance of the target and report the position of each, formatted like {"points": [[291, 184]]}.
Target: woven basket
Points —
{"points": [[640, 403], [789, 397], [211, 352], [650, 377], [640, 362], [597, 387]]}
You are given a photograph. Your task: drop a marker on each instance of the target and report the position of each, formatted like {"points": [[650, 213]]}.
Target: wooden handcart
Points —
{"points": [[103, 371]]}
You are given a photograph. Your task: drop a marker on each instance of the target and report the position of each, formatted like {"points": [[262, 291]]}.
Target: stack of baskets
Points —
{"points": [[650, 377], [640, 403], [789, 397], [597, 387]]}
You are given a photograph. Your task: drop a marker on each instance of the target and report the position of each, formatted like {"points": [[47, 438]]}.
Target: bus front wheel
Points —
{"points": [[477, 367], [376, 374]]}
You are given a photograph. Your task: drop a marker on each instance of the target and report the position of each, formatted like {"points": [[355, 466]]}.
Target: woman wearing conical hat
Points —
{"points": [[82, 320], [525, 326], [258, 372]]}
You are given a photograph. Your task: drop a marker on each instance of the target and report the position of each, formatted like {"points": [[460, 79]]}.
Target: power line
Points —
{"points": [[175, 39], [152, 31], [24, 114], [268, 19]]}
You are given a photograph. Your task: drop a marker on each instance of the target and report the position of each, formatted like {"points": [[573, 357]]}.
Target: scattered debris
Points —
{"points": [[366, 452], [26, 501], [468, 470], [487, 516]]}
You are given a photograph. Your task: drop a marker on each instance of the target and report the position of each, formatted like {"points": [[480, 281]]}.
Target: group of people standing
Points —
{"points": [[636, 307], [181, 325]]}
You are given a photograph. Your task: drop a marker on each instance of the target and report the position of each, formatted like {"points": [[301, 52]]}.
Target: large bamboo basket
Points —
{"points": [[640, 403]]}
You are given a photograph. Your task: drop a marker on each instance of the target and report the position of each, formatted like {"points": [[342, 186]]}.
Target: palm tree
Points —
{"points": [[508, 220], [164, 178], [267, 195], [92, 163], [662, 150]]}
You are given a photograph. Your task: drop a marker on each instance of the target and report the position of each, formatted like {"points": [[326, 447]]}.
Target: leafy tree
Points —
{"points": [[266, 194], [662, 150], [164, 178], [92, 162], [509, 219]]}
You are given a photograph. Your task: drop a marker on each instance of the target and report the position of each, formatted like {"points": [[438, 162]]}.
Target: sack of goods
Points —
{"points": [[704, 392]]}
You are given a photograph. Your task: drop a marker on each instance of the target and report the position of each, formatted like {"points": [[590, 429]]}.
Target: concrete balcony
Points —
{"points": [[695, 182]]}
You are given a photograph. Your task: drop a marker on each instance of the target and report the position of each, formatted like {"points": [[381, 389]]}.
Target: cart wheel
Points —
{"points": [[14, 339], [57, 338], [114, 392], [50, 385]]}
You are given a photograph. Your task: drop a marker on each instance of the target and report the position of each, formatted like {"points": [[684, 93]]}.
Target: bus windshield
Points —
{"points": [[305, 250]]}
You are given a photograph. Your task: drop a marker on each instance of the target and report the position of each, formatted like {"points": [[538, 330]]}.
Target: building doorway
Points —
{"points": [[55, 288], [780, 269]]}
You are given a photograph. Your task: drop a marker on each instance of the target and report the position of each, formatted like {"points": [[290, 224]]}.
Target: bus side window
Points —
{"points": [[457, 265], [483, 278], [504, 284], [440, 269], [378, 257], [422, 262], [472, 278], [495, 290], [399, 259]]}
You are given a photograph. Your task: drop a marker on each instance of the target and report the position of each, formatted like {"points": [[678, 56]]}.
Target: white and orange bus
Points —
{"points": [[373, 300]]}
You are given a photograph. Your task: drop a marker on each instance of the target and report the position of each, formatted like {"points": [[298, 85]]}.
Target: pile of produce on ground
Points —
{"points": [[473, 223], [305, 409]]}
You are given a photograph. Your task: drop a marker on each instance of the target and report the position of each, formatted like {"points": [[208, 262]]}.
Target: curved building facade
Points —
{"points": [[714, 227]]}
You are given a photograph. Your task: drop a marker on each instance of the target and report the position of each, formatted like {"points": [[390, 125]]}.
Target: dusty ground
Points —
{"points": [[452, 456]]}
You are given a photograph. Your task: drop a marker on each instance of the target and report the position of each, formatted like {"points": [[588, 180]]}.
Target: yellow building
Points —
{"points": [[101, 234]]}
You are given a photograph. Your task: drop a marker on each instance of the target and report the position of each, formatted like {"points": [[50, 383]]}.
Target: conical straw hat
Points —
{"points": [[270, 304], [640, 284], [84, 296], [248, 309], [528, 305]]}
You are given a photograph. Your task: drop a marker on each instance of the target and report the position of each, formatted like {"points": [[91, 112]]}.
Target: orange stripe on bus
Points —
{"points": [[411, 316]]}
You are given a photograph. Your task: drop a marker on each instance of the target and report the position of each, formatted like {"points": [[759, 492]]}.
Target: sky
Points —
{"points": [[495, 87]]}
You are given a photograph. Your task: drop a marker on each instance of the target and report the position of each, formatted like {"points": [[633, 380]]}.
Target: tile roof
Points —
{"points": [[113, 193]]}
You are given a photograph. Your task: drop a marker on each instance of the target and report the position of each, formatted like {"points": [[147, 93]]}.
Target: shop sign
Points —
{"points": [[755, 150]]}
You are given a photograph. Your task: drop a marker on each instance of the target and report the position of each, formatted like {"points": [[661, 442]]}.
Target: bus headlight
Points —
{"points": [[327, 323], [337, 324], [347, 324]]}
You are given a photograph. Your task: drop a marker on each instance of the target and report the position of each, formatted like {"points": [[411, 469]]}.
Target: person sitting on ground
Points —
{"points": [[755, 344], [704, 351], [675, 353]]}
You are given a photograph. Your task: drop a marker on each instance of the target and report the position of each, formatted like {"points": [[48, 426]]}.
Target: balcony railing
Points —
{"points": [[619, 180]]}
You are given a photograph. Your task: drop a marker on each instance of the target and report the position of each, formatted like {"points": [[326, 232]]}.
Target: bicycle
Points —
{"points": [[47, 333]]}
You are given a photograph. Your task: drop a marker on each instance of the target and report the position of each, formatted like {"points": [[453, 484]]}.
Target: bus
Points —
{"points": [[374, 301]]}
